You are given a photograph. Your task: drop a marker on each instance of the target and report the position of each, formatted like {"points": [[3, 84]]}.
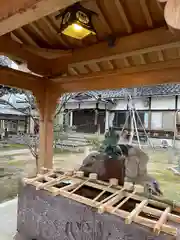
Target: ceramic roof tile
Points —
{"points": [[164, 89]]}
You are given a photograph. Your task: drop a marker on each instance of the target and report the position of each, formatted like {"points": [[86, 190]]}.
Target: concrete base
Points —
{"points": [[44, 217], [174, 170]]}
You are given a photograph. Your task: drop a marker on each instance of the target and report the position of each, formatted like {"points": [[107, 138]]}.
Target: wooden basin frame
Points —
{"points": [[145, 52]]}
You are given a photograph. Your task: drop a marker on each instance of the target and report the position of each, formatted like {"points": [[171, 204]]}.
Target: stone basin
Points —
{"points": [[42, 216]]}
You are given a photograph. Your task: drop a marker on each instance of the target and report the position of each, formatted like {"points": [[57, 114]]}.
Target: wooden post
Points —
{"points": [[46, 102]]}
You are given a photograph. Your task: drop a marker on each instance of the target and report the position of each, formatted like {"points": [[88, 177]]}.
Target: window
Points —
{"points": [[139, 116], [168, 121], [156, 120], [162, 120], [119, 119]]}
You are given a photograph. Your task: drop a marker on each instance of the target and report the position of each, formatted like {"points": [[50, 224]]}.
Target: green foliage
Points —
{"points": [[110, 144]]}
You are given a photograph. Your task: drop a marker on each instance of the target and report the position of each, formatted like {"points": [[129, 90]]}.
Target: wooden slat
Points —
{"points": [[158, 213], [160, 56], [143, 61], [143, 221], [123, 202], [147, 222], [101, 193], [162, 220], [136, 211], [52, 182], [126, 62]]}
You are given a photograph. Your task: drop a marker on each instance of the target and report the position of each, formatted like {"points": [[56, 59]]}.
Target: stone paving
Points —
{"points": [[8, 219]]}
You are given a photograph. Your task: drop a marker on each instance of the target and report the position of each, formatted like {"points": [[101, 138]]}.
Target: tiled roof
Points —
{"points": [[158, 90], [10, 111], [165, 89]]}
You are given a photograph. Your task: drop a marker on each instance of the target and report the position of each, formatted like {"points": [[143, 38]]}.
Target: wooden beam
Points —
{"points": [[19, 13], [15, 78], [33, 56], [149, 74], [135, 44], [122, 81], [18, 51]]}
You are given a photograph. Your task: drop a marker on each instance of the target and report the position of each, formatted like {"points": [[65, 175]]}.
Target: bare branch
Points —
{"points": [[67, 97]]}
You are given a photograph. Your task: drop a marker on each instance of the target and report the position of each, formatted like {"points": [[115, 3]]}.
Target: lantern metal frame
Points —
{"points": [[77, 14]]}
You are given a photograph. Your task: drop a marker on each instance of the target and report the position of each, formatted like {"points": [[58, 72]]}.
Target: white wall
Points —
{"points": [[163, 103], [72, 105], [84, 105], [120, 105], [87, 105], [140, 104], [157, 102]]}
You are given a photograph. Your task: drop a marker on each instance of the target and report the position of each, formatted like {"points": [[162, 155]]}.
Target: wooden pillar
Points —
{"points": [[46, 102]]}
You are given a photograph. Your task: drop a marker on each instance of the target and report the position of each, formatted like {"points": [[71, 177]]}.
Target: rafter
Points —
{"points": [[110, 64], [126, 62], [53, 30], [103, 17], [26, 37], [143, 61], [20, 13], [146, 13], [160, 56], [72, 71], [40, 33], [95, 67], [15, 38], [123, 15]]}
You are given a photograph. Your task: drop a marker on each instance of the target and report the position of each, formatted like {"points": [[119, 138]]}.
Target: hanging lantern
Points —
{"points": [[76, 22]]}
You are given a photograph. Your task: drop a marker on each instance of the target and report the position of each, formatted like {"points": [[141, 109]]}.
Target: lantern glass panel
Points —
{"points": [[77, 31]]}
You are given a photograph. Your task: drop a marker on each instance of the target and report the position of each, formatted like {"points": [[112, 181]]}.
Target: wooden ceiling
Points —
{"points": [[116, 17], [143, 42]]}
